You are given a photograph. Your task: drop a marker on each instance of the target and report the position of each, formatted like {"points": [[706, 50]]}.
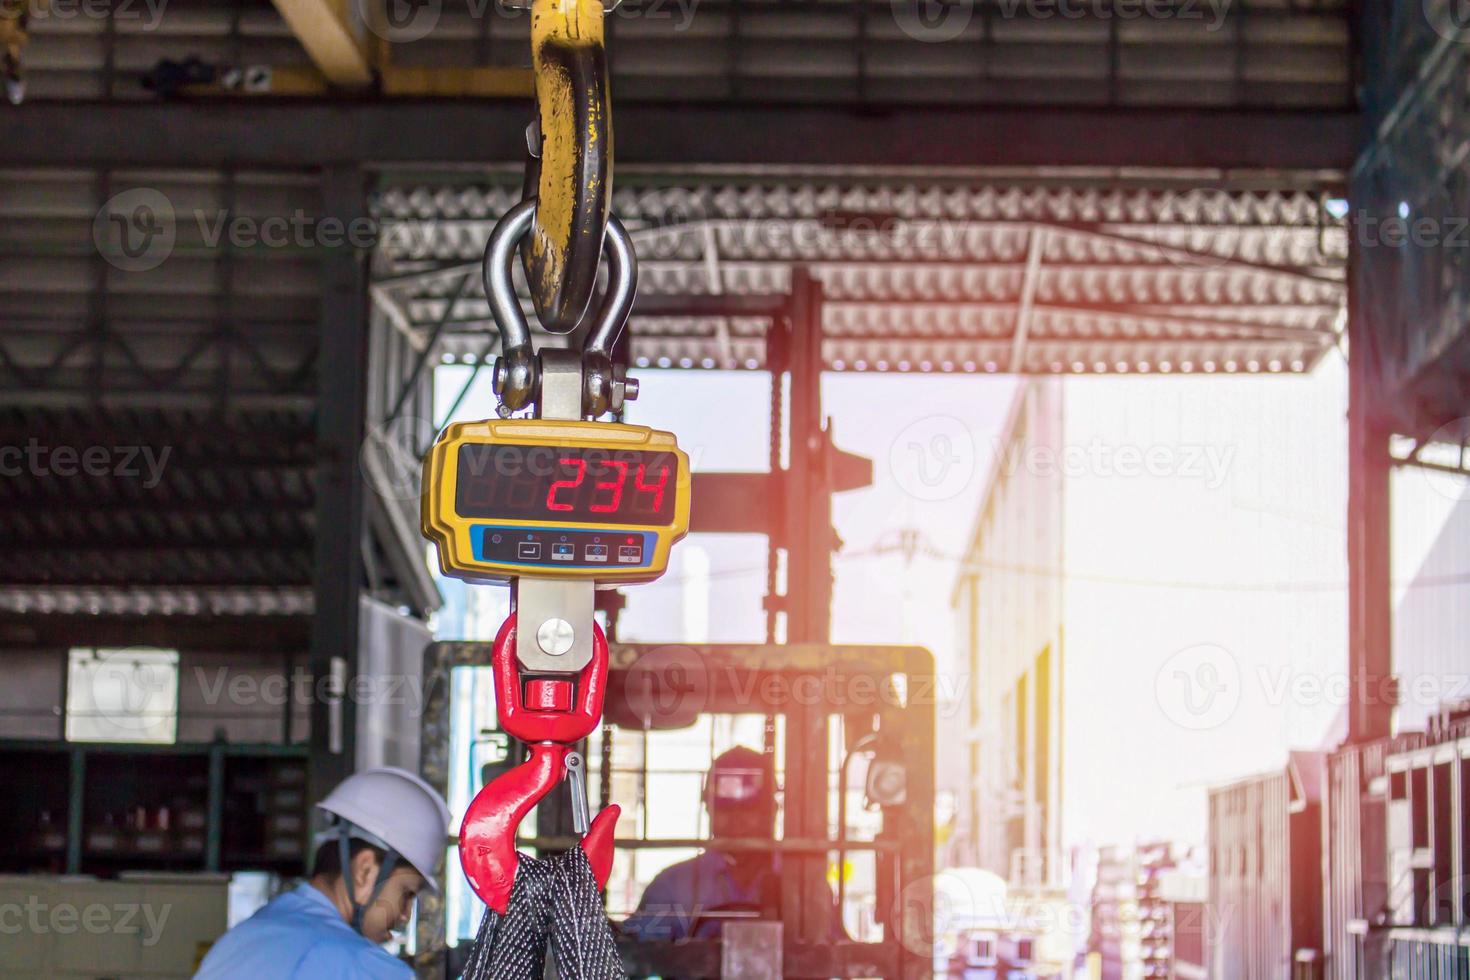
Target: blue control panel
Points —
{"points": [[560, 547]]}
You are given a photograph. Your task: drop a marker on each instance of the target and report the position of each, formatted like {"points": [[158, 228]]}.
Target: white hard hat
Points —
{"points": [[400, 810]]}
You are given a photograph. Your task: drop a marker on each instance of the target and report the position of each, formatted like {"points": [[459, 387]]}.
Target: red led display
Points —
{"points": [[570, 486]]}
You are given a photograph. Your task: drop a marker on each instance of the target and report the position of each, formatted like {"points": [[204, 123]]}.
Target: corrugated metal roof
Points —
{"points": [[159, 380], [158, 387], [157, 497], [157, 601], [1272, 53], [923, 277], [130, 286]]}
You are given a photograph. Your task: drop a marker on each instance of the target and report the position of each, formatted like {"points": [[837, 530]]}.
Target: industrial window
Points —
{"points": [[1463, 882], [1419, 806], [122, 695], [1442, 910]]}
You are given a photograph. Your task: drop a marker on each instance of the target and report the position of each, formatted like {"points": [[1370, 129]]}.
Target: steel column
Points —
{"points": [[1370, 598], [75, 807], [1370, 639], [214, 835], [338, 566], [810, 539]]}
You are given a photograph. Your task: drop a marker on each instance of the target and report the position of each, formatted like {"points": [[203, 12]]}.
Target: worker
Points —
{"points": [[694, 898], [386, 832]]}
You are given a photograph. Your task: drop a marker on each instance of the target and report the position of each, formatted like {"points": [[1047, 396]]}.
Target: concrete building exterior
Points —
{"points": [[1009, 601]]}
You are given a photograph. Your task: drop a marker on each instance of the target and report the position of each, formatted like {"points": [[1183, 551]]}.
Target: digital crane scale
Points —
{"points": [[555, 499]]}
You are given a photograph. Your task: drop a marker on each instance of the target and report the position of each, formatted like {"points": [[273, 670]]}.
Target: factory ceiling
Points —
{"points": [[921, 274]]}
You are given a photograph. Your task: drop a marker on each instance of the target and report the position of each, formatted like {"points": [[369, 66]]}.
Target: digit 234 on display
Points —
{"points": [[561, 499]]}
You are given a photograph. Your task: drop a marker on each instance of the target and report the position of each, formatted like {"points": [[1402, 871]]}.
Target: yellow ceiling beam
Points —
{"points": [[336, 44], [399, 82]]}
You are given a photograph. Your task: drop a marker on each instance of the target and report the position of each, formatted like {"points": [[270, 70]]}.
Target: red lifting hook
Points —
{"points": [[556, 718]]}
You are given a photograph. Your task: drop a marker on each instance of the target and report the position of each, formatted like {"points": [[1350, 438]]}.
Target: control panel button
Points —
{"points": [[559, 551]]}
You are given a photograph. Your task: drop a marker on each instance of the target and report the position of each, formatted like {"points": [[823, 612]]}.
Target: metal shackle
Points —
{"points": [[516, 375]]}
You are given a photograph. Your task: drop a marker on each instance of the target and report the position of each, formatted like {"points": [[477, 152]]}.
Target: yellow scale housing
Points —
{"points": [[534, 504]]}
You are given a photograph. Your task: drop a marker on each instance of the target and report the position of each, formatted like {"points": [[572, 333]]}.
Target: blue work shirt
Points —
{"points": [[684, 900], [299, 934]]}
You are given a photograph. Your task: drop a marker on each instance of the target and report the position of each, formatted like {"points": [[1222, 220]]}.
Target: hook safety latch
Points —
{"points": [[551, 714]]}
